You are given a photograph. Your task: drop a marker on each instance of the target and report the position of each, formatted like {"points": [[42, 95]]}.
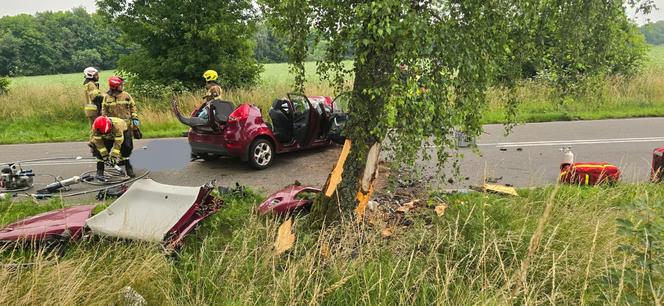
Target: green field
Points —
{"points": [[49, 108], [485, 249]]}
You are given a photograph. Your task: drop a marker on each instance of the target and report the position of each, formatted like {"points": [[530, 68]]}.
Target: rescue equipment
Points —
{"points": [[14, 178], [590, 174], [657, 166]]}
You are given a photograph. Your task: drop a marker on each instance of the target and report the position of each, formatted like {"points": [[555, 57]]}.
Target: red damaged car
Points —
{"points": [[298, 122]]}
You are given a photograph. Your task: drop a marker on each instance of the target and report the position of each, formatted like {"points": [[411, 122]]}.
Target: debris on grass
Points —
{"points": [[150, 211], [285, 237], [386, 232], [132, 298], [440, 209], [147, 211], [499, 189], [288, 200], [408, 206], [372, 205], [66, 223]]}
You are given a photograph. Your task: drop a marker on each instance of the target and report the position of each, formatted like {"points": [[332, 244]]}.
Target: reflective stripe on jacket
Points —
{"points": [[119, 105], [116, 134]]}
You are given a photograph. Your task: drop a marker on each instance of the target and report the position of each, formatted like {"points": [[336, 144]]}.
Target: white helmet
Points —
{"points": [[90, 72]]}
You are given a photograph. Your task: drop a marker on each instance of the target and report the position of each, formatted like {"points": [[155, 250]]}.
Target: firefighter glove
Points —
{"points": [[114, 160]]}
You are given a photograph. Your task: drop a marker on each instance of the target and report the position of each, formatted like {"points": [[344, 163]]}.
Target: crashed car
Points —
{"points": [[298, 122]]}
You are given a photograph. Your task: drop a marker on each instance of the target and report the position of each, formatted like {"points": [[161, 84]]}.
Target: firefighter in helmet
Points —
{"points": [[119, 103], [213, 90], [111, 144], [93, 96]]}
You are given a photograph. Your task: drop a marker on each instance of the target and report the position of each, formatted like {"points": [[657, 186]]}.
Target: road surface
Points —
{"points": [[529, 156]]}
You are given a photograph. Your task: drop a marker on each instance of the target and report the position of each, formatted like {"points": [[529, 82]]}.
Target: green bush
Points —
{"points": [[4, 85]]}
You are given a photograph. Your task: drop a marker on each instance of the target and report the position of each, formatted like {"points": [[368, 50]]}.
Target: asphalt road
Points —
{"points": [[529, 156]]}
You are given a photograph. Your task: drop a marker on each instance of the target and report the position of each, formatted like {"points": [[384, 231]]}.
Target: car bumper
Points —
{"points": [[214, 144]]}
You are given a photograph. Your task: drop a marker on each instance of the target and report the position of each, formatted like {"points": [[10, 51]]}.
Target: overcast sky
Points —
{"points": [[15, 7]]}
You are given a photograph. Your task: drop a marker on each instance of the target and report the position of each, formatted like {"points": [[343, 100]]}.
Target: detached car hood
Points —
{"points": [[155, 212], [61, 223]]}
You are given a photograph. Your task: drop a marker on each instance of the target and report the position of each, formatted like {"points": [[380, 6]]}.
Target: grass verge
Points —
{"points": [[590, 251]]}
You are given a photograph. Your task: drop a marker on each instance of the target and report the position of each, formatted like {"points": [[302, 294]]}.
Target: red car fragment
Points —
{"points": [[67, 222], [285, 200]]}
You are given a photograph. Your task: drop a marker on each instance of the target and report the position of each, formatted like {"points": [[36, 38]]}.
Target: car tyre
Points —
{"points": [[261, 153]]}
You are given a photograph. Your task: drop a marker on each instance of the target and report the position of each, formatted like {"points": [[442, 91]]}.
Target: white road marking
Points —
{"points": [[570, 142], [29, 164]]}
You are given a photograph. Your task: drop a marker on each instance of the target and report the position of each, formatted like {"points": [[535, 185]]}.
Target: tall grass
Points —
{"points": [[474, 254], [49, 108]]}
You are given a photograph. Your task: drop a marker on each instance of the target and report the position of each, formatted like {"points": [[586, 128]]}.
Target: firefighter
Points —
{"points": [[213, 89], [111, 144], [119, 103], [93, 96]]}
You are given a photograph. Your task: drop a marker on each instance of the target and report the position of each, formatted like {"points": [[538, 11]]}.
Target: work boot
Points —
{"points": [[129, 169], [100, 172]]}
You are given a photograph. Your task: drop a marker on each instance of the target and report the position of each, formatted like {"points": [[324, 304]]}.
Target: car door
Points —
{"points": [[209, 118], [304, 122], [338, 118]]}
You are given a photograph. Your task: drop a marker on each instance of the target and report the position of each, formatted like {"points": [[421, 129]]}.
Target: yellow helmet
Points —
{"points": [[210, 75]]}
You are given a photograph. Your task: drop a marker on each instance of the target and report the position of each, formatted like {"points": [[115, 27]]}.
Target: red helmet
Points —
{"points": [[114, 82], [102, 124]]}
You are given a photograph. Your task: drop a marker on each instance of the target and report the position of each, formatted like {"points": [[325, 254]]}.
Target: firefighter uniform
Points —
{"points": [[113, 144], [116, 144], [213, 91], [93, 100], [119, 105]]}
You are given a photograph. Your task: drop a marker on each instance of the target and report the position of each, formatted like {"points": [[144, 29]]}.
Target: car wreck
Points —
{"points": [[147, 211], [298, 122], [66, 223]]}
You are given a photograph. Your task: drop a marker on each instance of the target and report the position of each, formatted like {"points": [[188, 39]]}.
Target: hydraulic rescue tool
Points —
{"points": [[15, 178], [53, 187]]}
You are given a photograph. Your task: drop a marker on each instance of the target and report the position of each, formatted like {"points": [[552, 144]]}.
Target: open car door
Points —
{"points": [[202, 120], [305, 119], [338, 117]]}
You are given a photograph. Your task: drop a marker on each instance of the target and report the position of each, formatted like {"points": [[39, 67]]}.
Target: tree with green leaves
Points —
{"points": [[179, 40], [269, 48], [422, 68], [57, 42], [654, 32]]}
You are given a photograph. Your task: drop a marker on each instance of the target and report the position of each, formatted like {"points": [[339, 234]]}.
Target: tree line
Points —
{"points": [[68, 41], [57, 42], [654, 32]]}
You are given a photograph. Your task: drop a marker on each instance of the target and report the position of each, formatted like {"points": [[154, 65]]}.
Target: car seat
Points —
{"points": [[281, 119], [222, 109]]}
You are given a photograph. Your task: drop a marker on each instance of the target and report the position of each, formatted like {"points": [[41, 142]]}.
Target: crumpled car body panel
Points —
{"points": [[285, 200], [155, 212], [66, 222]]}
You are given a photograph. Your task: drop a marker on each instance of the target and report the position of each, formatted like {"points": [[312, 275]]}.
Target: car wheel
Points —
{"points": [[261, 153]]}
